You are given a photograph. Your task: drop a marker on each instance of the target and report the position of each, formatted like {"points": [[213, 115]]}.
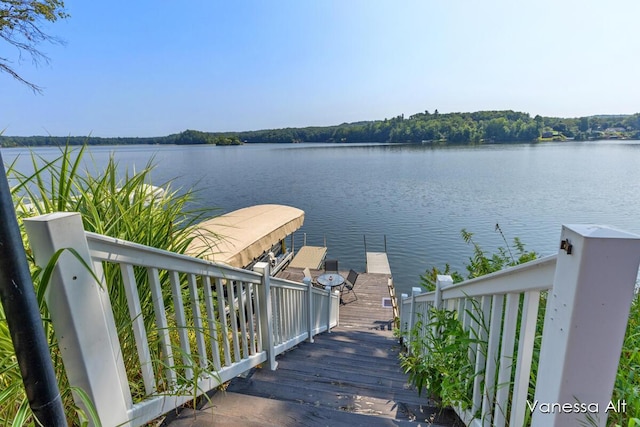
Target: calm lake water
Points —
{"points": [[419, 197]]}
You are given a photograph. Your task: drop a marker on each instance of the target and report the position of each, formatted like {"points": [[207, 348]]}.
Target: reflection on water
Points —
{"points": [[420, 197]]}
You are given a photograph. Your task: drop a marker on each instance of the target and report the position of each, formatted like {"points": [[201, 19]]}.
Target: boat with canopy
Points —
{"points": [[248, 235]]}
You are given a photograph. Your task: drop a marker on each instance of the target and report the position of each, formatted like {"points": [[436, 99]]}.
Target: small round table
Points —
{"points": [[330, 279]]}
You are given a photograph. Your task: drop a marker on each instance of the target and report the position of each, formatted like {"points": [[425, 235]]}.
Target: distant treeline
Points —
{"points": [[452, 128], [182, 138]]}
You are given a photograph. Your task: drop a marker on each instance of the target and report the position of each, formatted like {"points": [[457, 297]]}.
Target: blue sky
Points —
{"points": [[152, 68]]}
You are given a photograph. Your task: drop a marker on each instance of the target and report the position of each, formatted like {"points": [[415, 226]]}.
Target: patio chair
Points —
{"points": [[331, 266], [348, 286]]}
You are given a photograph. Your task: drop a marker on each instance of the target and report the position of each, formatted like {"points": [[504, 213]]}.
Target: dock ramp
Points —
{"points": [[377, 262]]}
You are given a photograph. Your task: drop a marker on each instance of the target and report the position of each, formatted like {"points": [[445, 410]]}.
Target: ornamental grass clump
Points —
{"points": [[112, 202]]}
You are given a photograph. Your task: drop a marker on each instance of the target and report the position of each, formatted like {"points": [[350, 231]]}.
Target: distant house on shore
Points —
{"points": [[614, 130], [614, 133], [551, 134]]}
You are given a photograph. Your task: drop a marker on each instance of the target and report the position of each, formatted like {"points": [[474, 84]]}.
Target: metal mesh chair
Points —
{"points": [[331, 266], [348, 286]]}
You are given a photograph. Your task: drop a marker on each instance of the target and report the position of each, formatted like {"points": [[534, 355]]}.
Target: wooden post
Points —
{"points": [[266, 314], [585, 322], [82, 316]]}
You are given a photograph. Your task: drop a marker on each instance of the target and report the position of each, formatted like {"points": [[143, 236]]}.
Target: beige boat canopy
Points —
{"points": [[238, 237]]}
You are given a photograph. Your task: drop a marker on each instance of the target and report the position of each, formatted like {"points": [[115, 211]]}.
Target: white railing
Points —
{"points": [[232, 321], [588, 289]]}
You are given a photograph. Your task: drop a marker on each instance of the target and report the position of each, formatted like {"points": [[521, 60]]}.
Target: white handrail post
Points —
{"points": [[585, 322], [336, 310], [328, 289], [412, 314], [82, 316], [403, 316], [310, 310], [266, 315], [441, 281]]}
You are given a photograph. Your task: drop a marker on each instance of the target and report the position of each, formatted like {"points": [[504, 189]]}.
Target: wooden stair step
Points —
{"points": [[252, 411], [317, 361], [335, 378], [328, 394]]}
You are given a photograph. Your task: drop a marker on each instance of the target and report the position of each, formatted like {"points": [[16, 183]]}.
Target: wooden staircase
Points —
{"points": [[349, 377]]}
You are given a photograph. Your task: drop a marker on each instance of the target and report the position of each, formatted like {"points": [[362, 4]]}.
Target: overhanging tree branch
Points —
{"points": [[20, 27], [6, 69]]}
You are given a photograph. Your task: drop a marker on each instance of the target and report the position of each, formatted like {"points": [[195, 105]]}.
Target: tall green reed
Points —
{"points": [[118, 204]]}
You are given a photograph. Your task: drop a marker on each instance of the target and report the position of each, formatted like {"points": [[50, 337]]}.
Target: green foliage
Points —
{"points": [[438, 357], [21, 25], [480, 263], [192, 137], [428, 373], [227, 140], [627, 384], [452, 128], [439, 360], [428, 279], [119, 205]]}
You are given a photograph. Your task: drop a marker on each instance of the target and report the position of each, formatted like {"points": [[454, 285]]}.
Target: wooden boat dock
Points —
{"points": [[348, 377]]}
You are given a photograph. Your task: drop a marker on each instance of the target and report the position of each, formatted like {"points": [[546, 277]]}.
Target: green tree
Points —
{"points": [[189, 137], [498, 130], [583, 125], [21, 23], [227, 140], [539, 122]]}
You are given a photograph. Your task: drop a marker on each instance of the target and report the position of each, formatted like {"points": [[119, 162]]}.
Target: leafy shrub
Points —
{"points": [[439, 358], [446, 358], [439, 361], [480, 263]]}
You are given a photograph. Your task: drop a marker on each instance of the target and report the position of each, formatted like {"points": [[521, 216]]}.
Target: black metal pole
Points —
{"points": [[21, 310]]}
